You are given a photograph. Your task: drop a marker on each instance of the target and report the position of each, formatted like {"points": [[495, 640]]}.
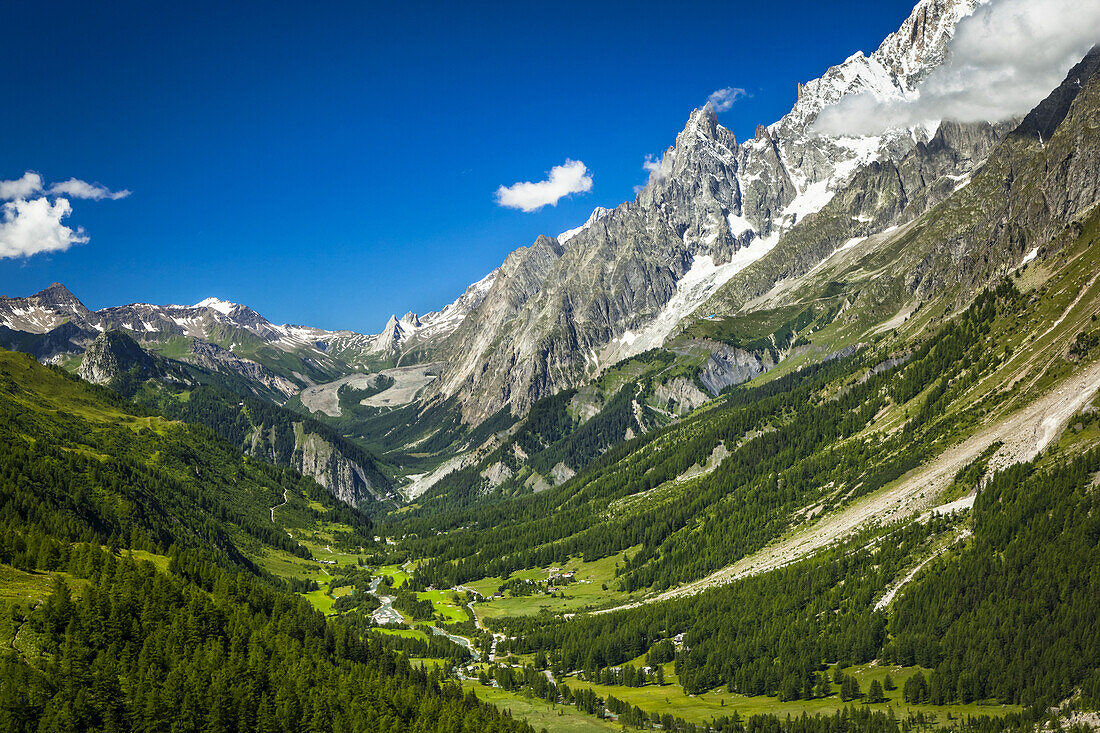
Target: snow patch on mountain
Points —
{"points": [[692, 290], [598, 213], [738, 224], [221, 306], [1028, 257]]}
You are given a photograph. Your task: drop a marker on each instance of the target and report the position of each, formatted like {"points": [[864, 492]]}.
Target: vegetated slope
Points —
{"points": [[277, 435], [972, 616], [821, 445], [804, 484], [225, 403], [84, 465], [799, 442], [205, 642]]}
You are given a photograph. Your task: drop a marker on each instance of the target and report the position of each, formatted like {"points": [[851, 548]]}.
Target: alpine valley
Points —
{"points": [[803, 439]]}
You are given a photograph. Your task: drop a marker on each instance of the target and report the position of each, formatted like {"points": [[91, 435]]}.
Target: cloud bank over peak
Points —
{"points": [[569, 178], [1002, 61], [31, 217], [722, 99]]}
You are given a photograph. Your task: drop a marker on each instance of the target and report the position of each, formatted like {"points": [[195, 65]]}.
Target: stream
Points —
{"points": [[387, 614]]}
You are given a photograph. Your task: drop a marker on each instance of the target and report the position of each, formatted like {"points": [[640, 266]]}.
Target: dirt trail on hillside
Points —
{"points": [[284, 502], [1024, 433], [893, 592]]}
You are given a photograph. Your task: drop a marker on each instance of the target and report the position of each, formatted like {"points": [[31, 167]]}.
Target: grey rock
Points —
{"points": [[112, 354]]}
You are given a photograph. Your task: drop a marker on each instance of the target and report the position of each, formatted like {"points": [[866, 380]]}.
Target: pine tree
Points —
{"points": [[849, 688]]}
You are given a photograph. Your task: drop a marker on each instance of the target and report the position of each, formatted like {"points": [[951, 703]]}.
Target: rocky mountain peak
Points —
{"points": [[45, 310], [113, 353], [920, 44], [555, 314], [58, 295], [703, 123], [598, 213], [221, 306]]}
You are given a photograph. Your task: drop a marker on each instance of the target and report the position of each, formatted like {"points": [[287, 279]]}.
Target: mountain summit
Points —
{"points": [[563, 309]]}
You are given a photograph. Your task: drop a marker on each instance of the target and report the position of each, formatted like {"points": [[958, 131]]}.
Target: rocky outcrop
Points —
{"points": [[214, 358], [319, 459], [496, 474], [728, 365], [113, 354], [561, 473], [679, 396]]}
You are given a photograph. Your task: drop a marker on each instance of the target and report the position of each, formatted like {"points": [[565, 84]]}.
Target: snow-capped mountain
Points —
{"points": [[411, 330], [44, 311], [598, 213], [562, 309], [210, 319], [224, 337]]}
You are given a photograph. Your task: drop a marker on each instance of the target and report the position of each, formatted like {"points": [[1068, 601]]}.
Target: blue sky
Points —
{"points": [[332, 163]]}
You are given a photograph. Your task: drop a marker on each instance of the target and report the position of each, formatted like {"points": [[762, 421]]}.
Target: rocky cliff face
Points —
{"points": [[1037, 186], [300, 446], [729, 365], [112, 354], [316, 457], [881, 195], [214, 358], [559, 312]]}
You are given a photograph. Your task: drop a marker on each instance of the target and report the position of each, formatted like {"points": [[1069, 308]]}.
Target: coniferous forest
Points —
{"points": [[802, 436]]}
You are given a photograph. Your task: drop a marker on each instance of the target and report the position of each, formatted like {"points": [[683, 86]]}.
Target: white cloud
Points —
{"points": [[78, 189], [659, 167], [723, 99], [28, 227], [1003, 60], [32, 213], [571, 177], [21, 188]]}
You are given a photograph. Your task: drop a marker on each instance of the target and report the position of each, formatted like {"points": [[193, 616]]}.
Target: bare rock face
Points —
{"points": [[561, 473], [316, 457], [112, 354], [496, 474], [680, 396], [728, 366], [711, 204], [216, 359]]}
